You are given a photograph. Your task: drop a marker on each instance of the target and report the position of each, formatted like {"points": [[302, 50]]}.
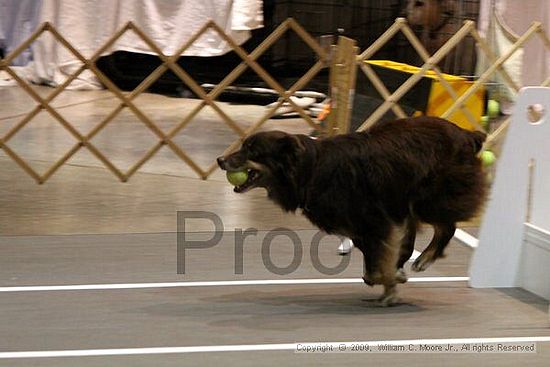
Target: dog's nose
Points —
{"points": [[221, 162]]}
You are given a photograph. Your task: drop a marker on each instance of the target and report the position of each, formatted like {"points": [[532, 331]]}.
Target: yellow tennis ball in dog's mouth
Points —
{"points": [[236, 178]]}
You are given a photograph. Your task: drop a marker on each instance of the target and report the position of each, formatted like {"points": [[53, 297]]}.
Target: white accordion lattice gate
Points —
{"points": [[126, 100]]}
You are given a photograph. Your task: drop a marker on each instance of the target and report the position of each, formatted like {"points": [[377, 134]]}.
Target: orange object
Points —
{"points": [[325, 112]]}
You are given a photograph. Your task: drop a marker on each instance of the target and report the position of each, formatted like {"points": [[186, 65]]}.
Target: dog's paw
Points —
{"points": [[372, 279], [422, 263], [384, 301], [368, 281], [387, 300], [400, 276]]}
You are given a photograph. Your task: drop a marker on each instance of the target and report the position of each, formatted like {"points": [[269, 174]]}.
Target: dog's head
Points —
{"points": [[270, 158]]}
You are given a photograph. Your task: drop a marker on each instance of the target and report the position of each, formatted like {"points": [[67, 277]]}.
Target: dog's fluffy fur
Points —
{"points": [[373, 187]]}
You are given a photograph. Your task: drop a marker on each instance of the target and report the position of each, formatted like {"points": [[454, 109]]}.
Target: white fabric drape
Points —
{"points": [[18, 20], [87, 24]]}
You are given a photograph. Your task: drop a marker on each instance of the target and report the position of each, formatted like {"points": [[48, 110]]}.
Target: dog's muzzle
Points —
{"points": [[254, 175], [222, 163]]}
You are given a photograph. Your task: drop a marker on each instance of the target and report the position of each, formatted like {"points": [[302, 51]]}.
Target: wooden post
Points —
{"points": [[343, 70]]}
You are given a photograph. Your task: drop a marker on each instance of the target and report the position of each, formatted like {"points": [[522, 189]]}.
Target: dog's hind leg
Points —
{"points": [[406, 249], [443, 232]]}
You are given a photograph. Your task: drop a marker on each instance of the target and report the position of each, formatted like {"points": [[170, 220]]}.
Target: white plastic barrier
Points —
{"points": [[514, 240]]}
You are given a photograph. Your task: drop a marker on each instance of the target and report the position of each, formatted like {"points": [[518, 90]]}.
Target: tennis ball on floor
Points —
{"points": [[487, 158], [493, 108], [237, 178], [484, 121]]}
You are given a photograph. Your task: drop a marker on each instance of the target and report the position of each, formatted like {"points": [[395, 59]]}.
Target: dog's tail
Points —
{"points": [[477, 139]]}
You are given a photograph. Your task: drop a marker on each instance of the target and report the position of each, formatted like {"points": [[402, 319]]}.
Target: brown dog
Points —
{"points": [[373, 187]]}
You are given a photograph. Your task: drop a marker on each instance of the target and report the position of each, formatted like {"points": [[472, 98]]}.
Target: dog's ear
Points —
{"points": [[291, 144]]}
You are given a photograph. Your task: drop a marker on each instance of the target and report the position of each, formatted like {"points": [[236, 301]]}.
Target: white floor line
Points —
{"points": [[223, 283], [262, 347], [466, 238]]}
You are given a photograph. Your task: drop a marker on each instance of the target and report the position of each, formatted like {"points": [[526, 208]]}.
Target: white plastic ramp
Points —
{"points": [[512, 252]]}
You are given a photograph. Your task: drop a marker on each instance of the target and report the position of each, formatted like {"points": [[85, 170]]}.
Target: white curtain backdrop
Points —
{"points": [[87, 24]]}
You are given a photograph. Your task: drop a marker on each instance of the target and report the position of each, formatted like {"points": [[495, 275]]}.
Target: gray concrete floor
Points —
{"points": [[85, 227]]}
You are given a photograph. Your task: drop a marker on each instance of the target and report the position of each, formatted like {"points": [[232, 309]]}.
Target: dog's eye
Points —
{"points": [[249, 148], [251, 154]]}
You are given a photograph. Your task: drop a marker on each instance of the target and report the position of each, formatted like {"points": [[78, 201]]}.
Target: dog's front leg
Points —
{"points": [[370, 250], [383, 271], [389, 297], [372, 256], [381, 260], [388, 271]]}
